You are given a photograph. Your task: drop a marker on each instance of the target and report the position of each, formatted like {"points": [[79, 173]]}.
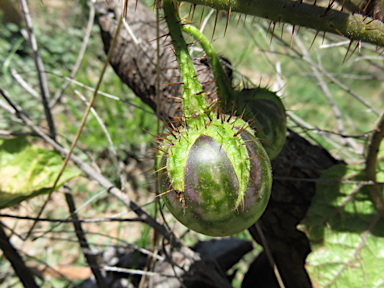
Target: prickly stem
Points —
{"points": [[355, 27], [194, 101], [225, 90]]}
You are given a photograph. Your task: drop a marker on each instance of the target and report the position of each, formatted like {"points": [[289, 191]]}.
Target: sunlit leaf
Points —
{"points": [[27, 171], [346, 233]]}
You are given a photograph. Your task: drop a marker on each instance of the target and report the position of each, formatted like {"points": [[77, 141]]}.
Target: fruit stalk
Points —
{"points": [[225, 90], [194, 102]]}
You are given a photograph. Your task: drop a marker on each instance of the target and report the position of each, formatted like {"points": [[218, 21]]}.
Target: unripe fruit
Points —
{"points": [[268, 114], [214, 178]]}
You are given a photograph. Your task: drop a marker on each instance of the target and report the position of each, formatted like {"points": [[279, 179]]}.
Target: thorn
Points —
{"points": [[207, 82], [157, 148], [228, 16], [165, 167], [349, 46], [201, 92], [337, 31], [208, 115], [146, 171], [190, 10], [214, 27], [240, 130], [273, 31], [150, 133], [357, 7], [193, 12], [174, 128], [253, 181], [253, 157], [354, 50], [201, 17], [317, 33], [216, 101], [177, 98], [282, 32], [238, 20], [241, 116], [170, 130], [371, 21], [166, 192], [182, 135], [293, 32], [232, 112], [165, 35], [174, 83]]}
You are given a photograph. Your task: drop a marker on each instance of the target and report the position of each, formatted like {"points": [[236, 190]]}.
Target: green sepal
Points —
{"points": [[225, 131]]}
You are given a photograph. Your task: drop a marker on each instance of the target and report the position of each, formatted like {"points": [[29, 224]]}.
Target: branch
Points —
{"points": [[21, 270], [355, 27], [80, 56], [91, 260], [39, 67], [370, 164]]}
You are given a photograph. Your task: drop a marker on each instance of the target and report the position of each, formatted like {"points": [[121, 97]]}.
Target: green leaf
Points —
{"points": [[27, 171], [345, 231]]}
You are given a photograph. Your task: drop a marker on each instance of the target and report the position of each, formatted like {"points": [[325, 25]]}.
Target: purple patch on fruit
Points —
{"points": [[209, 175]]}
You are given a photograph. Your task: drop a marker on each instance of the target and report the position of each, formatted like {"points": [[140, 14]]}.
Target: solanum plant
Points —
{"points": [[213, 173]]}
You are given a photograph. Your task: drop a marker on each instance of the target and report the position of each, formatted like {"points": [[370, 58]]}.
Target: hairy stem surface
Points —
{"points": [[194, 102], [223, 85]]}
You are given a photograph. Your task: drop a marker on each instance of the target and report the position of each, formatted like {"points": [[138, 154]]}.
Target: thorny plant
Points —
{"points": [[212, 160]]}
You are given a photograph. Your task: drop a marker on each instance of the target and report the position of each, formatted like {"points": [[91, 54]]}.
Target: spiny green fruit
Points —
{"points": [[268, 114], [214, 175]]}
